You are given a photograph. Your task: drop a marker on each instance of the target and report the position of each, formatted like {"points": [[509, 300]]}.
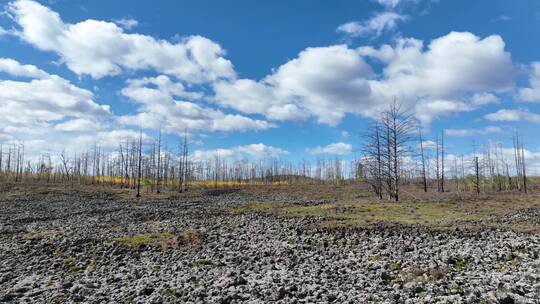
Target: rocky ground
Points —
{"points": [[66, 247]]}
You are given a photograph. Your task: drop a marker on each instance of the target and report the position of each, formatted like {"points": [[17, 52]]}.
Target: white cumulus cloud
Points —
{"points": [[374, 26], [473, 132], [389, 3], [323, 82], [481, 99], [100, 48], [327, 83], [159, 106], [339, 148], [513, 115], [532, 93], [42, 101], [252, 151], [127, 23], [14, 68]]}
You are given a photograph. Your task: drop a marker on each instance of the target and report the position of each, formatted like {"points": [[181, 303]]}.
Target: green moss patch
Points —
{"points": [[163, 240]]}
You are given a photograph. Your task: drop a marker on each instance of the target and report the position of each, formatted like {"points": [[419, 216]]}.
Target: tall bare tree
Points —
{"points": [[424, 178], [373, 159], [139, 167], [158, 171], [399, 127], [442, 161]]}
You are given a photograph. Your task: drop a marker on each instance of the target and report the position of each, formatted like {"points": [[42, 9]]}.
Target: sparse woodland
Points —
{"points": [[395, 154], [241, 152]]}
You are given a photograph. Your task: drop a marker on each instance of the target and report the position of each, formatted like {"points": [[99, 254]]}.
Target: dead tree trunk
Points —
{"points": [[442, 161], [140, 165], [424, 178]]}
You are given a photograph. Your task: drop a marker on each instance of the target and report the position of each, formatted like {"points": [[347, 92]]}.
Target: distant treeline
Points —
{"points": [[394, 154]]}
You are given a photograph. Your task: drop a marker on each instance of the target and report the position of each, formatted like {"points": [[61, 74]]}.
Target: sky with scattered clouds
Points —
{"points": [[253, 79]]}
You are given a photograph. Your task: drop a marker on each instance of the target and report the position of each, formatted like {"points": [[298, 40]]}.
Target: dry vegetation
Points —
{"points": [[277, 243], [375, 228], [345, 206], [342, 207]]}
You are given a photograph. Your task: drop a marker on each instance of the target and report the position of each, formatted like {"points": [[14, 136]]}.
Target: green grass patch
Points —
{"points": [[75, 268], [39, 234], [365, 213], [414, 274], [458, 263], [200, 262], [374, 258], [162, 240], [455, 288], [394, 266]]}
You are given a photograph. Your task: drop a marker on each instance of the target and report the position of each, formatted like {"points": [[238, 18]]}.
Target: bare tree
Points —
{"points": [[437, 163], [394, 142], [442, 161], [476, 167], [523, 168], [184, 163], [424, 178], [65, 165], [373, 159], [158, 171], [139, 165]]}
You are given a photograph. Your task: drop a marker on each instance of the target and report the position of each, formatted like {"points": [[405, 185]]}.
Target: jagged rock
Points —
{"points": [[66, 248]]}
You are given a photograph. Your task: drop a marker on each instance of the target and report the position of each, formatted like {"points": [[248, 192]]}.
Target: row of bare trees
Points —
{"points": [[144, 164], [395, 154], [12, 160], [390, 160], [387, 146]]}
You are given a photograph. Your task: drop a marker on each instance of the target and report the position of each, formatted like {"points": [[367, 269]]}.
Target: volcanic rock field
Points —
{"points": [[90, 247]]}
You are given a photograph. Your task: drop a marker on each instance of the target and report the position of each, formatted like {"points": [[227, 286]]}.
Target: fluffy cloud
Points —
{"points": [[165, 88], [253, 151], [158, 107], [261, 150], [452, 65], [426, 110], [329, 82], [46, 100], [472, 132], [532, 159], [375, 26], [14, 68], [108, 139], [428, 145], [389, 3], [127, 23], [481, 99], [513, 115], [47, 112], [393, 4], [532, 93], [54, 142], [436, 81], [323, 82], [65, 116], [455, 73], [100, 48], [78, 125], [339, 148], [42, 102]]}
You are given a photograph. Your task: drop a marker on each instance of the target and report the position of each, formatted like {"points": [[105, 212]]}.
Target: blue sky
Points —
{"points": [[291, 79]]}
